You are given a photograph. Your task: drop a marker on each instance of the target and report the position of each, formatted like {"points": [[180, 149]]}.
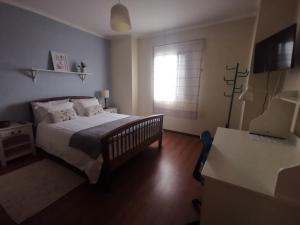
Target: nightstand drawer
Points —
{"points": [[16, 141], [18, 151], [10, 141], [16, 131]]}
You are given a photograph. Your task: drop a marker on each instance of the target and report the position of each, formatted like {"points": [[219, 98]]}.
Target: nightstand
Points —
{"points": [[16, 141], [111, 110]]}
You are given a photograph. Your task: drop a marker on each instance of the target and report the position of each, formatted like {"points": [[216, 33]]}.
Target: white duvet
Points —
{"points": [[54, 139]]}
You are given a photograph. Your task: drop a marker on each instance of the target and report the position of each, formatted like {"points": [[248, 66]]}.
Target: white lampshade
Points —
{"points": [[104, 93], [119, 18]]}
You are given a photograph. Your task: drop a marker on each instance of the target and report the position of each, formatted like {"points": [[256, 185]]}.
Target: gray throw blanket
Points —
{"points": [[89, 140]]}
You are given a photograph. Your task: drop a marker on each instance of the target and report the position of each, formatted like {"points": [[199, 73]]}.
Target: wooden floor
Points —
{"points": [[155, 188]]}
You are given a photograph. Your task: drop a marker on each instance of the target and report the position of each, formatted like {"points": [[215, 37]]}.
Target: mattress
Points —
{"points": [[54, 139]]}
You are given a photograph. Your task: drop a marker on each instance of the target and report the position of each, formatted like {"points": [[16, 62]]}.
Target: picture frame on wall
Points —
{"points": [[60, 62]]}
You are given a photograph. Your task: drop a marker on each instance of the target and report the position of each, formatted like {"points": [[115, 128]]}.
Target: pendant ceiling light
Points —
{"points": [[119, 18]]}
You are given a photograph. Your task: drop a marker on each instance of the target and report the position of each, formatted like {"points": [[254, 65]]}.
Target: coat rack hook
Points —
{"points": [[234, 90], [238, 91], [239, 88], [227, 79], [230, 68], [244, 72], [229, 83], [226, 95]]}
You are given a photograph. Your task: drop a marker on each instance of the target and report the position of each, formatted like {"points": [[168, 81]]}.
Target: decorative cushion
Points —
{"points": [[62, 115], [80, 105], [40, 111], [93, 110]]}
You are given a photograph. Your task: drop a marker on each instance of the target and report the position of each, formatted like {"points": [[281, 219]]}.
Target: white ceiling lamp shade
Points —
{"points": [[119, 18]]}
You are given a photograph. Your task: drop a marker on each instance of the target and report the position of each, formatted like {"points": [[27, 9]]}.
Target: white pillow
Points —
{"points": [[80, 105], [93, 110], [39, 113], [62, 115], [58, 107], [64, 108]]}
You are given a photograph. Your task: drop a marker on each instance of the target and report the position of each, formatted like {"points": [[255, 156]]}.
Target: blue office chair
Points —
{"points": [[207, 142]]}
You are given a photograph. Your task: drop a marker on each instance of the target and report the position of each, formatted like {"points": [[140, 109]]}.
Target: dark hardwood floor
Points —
{"points": [[155, 188]]}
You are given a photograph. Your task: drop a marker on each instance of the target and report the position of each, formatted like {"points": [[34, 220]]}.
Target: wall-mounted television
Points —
{"points": [[276, 52]]}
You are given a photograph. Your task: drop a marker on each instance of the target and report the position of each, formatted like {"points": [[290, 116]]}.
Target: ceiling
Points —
{"points": [[147, 16]]}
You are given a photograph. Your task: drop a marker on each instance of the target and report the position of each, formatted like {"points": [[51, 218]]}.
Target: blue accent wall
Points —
{"points": [[26, 39]]}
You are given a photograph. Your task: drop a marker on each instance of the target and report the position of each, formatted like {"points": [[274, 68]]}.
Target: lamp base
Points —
{"points": [[105, 103]]}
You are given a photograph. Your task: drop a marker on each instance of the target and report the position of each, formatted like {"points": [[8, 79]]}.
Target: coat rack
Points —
{"points": [[233, 83]]}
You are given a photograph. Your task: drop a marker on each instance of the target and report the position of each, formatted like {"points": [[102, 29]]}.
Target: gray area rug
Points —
{"points": [[29, 190]]}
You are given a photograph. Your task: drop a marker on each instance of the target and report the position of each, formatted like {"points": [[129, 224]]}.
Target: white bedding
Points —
{"points": [[54, 139]]}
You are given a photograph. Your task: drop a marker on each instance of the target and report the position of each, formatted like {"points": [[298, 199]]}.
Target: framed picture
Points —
{"points": [[60, 61]]}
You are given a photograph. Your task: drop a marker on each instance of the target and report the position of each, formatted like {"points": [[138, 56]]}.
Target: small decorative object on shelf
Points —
{"points": [[105, 94], [16, 140], [111, 110], [60, 61], [83, 67]]}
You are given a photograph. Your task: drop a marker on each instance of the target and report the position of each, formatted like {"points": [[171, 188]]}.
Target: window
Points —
{"points": [[177, 70]]}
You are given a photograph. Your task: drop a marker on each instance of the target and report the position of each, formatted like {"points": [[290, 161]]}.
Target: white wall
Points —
{"points": [[124, 64], [292, 79], [121, 72], [134, 50], [273, 16], [226, 44]]}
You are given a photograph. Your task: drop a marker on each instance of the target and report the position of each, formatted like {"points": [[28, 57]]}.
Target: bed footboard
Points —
{"points": [[126, 141]]}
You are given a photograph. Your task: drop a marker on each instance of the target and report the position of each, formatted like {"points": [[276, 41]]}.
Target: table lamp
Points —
{"points": [[105, 94]]}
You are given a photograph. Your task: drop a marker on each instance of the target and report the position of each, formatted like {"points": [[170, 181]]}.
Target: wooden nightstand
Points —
{"points": [[111, 110], [16, 141]]}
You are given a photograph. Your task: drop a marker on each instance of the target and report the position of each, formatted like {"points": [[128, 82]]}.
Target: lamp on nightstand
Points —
{"points": [[105, 94]]}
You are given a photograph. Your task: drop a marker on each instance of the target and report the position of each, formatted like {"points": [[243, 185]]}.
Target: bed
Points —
{"points": [[118, 145]]}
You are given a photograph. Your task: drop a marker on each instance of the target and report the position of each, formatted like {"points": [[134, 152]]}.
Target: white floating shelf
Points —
{"points": [[292, 97], [35, 72], [295, 100]]}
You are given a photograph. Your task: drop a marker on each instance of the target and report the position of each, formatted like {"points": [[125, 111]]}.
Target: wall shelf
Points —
{"points": [[292, 97], [35, 72]]}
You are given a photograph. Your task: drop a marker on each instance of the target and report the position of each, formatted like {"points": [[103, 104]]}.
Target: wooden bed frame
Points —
{"points": [[135, 135]]}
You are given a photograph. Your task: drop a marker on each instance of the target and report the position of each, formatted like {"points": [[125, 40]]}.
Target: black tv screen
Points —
{"points": [[276, 52]]}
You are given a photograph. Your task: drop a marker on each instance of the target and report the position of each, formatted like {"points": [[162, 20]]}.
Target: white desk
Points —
{"points": [[249, 161], [244, 169]]}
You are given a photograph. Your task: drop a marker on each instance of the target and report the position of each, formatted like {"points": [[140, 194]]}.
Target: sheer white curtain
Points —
{"points": [[177, 71]]}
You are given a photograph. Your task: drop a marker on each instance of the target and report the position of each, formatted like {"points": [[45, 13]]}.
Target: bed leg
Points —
{"points": [[160, 142], [106, 179]]}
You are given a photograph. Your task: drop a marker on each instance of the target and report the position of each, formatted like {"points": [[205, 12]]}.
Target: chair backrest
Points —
{"points": [[207, 143]]}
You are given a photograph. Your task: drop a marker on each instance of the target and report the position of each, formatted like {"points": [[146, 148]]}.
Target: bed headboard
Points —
{"points": [[61, 98], [55, 99]]}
